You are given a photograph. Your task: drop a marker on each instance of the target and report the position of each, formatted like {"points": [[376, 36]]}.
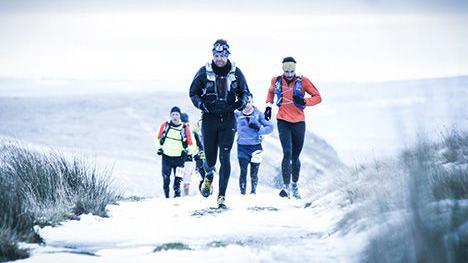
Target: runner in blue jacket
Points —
{"points": [[251, 126]]}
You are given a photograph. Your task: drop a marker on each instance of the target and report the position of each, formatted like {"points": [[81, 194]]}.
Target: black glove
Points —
{"points": [[239, 104], [160, 151], [254, 124], [189, 158], [299, 101], [268, 113], [199, 156]]}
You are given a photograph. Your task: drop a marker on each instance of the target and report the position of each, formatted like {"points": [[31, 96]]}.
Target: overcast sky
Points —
{"points": [[151, 40], [263, 6]]}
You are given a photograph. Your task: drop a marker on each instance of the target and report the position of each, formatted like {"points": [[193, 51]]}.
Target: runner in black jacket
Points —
{"points": [[217, 90]]}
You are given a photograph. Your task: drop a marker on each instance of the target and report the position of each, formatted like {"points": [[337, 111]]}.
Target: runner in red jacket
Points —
{"points": [[290, 90]]}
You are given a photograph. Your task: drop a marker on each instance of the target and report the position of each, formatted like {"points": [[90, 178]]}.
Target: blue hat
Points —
{"points": [[221, 47]]}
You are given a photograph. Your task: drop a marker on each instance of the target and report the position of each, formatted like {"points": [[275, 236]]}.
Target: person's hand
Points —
{"points": [[253, 123], [298, 100], [267, 113], [200, 156], [238, 104], [160, 151], [189, 158]]}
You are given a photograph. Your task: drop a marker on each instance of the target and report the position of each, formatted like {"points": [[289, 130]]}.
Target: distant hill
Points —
{"points": [[119, 130]]}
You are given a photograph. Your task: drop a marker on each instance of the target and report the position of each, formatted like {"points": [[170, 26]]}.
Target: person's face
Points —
{"points": [[220, 60], [175, 117], [249, 103], [289, 74]]}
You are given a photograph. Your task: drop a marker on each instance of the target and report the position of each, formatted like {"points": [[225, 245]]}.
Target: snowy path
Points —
{"points": [[262, 228]]}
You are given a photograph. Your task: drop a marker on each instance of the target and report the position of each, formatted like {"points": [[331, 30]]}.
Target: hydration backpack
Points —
{"points": [[297, 91], [183, 134], [210, 90]]}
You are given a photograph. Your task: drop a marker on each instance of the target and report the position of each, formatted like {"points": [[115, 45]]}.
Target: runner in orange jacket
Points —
{"points": [[290, 90]]}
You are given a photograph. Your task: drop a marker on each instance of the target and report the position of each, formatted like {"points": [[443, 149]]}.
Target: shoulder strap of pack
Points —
{"points": [[298, 86], [279, 90], [233, 68], [299, 79], [208, 67], [279, 84], [210, 75], [298, 91], [164, 133], [183, 135], [231, 77]]}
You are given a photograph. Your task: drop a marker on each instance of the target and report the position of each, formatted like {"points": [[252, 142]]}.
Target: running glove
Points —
{"points": [[202, 155], [268, 113], [254, 124], [239, 105], [299, 101]]}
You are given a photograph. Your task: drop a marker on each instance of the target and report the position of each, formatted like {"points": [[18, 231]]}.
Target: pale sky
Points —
{"points": [[146, 40]]}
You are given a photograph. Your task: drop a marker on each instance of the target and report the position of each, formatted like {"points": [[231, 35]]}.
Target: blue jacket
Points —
{"points": [[259, 126]]}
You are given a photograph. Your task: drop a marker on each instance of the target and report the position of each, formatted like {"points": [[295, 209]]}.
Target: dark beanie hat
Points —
{"points": [[289, 59], [175, 109], [184, 117]]}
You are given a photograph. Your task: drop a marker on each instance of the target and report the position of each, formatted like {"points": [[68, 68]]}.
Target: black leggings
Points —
{"points": [[292, 139], [218, 132], [244, 163], [169, 165]]}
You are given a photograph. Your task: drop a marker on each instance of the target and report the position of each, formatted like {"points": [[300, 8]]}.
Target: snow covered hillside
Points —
{"points": [[119, 129], [370, 121], [344, 211]]}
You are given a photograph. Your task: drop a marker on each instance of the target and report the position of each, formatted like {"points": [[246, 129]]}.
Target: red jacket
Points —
{"points": [[289, 112]]}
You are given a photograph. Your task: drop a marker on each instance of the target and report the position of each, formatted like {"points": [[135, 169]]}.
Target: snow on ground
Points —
{"points": [[255, 228], [117, 131]]}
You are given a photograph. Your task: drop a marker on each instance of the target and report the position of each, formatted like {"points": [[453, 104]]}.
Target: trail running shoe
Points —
{"points": [[295, 191], [221, 202], [206, 188], [284, 191]]}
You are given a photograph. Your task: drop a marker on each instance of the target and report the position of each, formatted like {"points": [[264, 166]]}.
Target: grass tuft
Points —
{"points": [[45, 188]]}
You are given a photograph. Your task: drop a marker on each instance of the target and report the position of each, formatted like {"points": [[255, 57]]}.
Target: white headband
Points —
{"points": [[289, 66]]}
